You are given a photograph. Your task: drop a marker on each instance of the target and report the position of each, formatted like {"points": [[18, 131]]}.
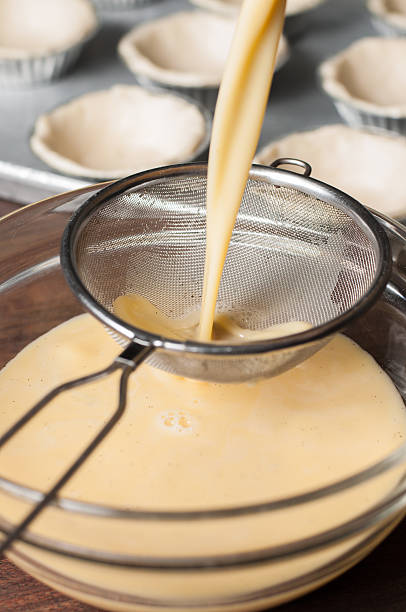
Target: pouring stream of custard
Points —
{"points": [[236, 128], [237, 124]]}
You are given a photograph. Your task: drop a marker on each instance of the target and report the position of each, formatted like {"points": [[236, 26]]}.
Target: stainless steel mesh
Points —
{"points": [[292, 256]]}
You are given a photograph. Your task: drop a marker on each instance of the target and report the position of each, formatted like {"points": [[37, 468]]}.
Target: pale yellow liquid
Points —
{"points": [[237, 124], [141, 313], [191, 445]]}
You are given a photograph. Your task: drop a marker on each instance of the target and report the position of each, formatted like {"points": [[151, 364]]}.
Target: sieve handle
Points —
{"points": [[292, 161], [127, 362]]}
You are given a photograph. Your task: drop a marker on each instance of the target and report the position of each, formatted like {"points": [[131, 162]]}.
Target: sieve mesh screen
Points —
{"points": [[291, 257]]}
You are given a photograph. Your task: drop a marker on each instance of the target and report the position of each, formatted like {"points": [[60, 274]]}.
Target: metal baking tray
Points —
{"points": [[297, 102]]}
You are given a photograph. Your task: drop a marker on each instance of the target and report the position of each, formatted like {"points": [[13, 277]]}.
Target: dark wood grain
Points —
{"points": [[21, 593], [18, 591], [7, 207]]}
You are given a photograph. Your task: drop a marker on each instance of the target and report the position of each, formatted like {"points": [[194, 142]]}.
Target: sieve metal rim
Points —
{"points": [[273, 175]]}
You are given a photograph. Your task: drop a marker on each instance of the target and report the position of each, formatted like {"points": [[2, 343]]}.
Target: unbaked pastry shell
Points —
{"points": [[43, 53], [173, 50], [373, 67], [367, 82], [369, 167], [389, 17], [231, 7], [116, 132], [121, 5]]}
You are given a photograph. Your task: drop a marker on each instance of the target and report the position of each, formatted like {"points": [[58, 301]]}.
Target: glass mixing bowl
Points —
{"points": [[118, 558]]}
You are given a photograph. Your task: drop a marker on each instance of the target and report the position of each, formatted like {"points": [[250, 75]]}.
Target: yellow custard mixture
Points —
{"points": [[184, 444], [191, 444]]}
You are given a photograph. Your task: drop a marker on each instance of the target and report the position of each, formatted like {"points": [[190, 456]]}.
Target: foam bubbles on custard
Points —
{"points": [[179, 422]]}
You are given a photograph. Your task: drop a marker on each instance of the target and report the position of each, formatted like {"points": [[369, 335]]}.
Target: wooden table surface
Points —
{"points": [[18, 591], [377, 584]]}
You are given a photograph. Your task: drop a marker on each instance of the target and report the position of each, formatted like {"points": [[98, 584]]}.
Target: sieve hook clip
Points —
{"points": [[292, 161]]}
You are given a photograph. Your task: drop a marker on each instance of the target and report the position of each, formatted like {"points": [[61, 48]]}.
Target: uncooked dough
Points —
{"points": [[174, 50], [115, 132], [393, 11], [38, 27], [370, 74], [369, 167]]}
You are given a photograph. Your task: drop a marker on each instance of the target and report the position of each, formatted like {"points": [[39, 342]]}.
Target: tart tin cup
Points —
{"points": [[385, 22], [296, 21], [358, 118], [386, 28], [228, 9], [206, 96], [199, 154], [355, 111], [203, 94], [357, 161], [121, 5], [28, 71]]}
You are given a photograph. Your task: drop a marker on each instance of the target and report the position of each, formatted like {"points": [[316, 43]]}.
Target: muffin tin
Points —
{"points": [[297, 103], [299, 13]]}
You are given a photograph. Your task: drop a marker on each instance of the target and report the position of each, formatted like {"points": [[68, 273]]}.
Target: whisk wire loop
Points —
{"points": [[127, 362]]}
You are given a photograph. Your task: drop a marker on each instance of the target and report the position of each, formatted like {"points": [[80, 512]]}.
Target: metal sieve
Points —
{"points": [[300, 250]]}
